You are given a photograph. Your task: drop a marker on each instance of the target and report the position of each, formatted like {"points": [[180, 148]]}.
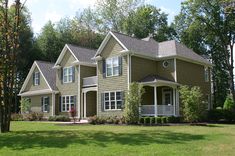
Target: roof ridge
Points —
{"points": [[41, 61], [81, 47]]}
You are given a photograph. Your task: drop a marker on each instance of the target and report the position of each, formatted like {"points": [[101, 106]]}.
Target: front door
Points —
{"points": [[166, 96]]}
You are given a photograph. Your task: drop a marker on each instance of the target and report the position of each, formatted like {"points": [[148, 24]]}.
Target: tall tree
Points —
{"points": [[9, 46], [207, 28]]}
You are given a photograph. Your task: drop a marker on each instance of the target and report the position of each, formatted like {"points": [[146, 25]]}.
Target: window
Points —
{"points": [[113, 100], [36, 78], [45, 104], [112, 66], [68, 74], [166, 97], [206, 74], [67, 102]]}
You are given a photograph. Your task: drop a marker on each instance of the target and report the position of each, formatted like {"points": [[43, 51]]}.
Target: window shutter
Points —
{"points": [[61, 75], [123, 99], [102, 102], [42, 104], [75, 102], [33, 78], [120, 65], [39, 78], [104, 68], [73, 76], [60, 103], [48, 106]]}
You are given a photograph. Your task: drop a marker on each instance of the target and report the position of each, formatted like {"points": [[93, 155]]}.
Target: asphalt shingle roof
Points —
{"points": [[152, 78], [156, 50], [48, 72], [82, 54]]}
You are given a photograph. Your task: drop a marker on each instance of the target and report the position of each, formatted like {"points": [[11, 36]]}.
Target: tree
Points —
{"points": [[25, 105], [132, 103], [229, 103], [146, 20], [192, 105], [207, 28], [9, 46]]}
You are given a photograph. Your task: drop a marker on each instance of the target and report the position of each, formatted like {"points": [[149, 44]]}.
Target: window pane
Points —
{"points": [[112, 104], [109, 71], [119, 104], [67, 99], [112, 95], [106, 105], [118, 95], [115, 70], [63, 99], [115, 61], [70, 70], [108, 63], [106, 96], [67, 107], [71, 99], [70, 78]]}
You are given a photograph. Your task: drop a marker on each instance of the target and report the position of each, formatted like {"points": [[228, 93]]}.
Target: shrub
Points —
{"points": [[25, 105], [132, 102], [173, 119], [141, 121], [146, 120], [193, 107], [221, 115], [33, 116], [229, 103], [59, 118], [163, 120], [93, 120], [73, 114], [17, 117], [158, 120], [152, 120]]}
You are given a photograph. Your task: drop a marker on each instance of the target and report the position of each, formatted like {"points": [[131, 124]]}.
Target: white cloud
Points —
{"points": [[171, 13], [52, 16], [81, 4]]}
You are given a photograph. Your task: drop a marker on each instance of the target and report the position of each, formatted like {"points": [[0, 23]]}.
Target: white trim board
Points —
{"points": [[30, 74], [38, 92]]}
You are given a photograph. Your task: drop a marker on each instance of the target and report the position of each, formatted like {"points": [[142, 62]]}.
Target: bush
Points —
{"points": [[229, 103], [17, 117], [173, 119], [132, 102], [141, 121], [221, 115], [152, 120], [193, 106], [146, 120], [33, 116], [62, 118], [25, 105], [158, 120], [163, 120]]}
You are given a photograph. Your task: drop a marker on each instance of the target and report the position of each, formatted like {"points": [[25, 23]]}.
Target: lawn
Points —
{"points": [[36, 138]]}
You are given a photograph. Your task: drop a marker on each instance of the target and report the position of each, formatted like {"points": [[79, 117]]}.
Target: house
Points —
{"points": [[95, 81]]}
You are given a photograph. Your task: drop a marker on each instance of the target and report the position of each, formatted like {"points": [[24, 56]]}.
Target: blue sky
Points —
{"points": [[44, 10]]}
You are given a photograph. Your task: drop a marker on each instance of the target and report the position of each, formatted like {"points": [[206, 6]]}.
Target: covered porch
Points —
{"points": [[161, 97]]}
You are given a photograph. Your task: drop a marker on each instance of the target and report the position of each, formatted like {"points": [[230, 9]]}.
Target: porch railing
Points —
{"points": [[89, 81], [162, 110]]}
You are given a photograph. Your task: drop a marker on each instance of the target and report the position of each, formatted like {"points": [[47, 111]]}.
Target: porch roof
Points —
{"points": [[156, 79]]}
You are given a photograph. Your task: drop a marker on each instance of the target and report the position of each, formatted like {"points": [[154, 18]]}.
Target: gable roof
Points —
{"points": [[150, 48], [80, 54], [47, 72]]}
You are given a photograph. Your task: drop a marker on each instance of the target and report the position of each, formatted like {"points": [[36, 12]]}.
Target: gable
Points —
{"points": [[67, 59], [42, 85], [112, 48]]}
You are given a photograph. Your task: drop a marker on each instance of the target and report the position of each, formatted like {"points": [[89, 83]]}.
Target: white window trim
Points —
{"points": [[65, 96], [206, 74], [112, 67], [109, 92], [43, 106], [67, 68], [36, 78], [163, 95]]}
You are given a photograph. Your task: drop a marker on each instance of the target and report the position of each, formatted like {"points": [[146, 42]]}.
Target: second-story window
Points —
{"points": [[36, 80], [112, 66], [68, 74]]}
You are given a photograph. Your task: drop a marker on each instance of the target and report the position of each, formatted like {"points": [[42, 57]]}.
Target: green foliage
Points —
{"points": [[105, 120], [158, 120], [229, 103], [59, 118], [17, 117], [33, 116], [25, 105], [132, 102], [221, 115], [163, 120], [192, 106]]}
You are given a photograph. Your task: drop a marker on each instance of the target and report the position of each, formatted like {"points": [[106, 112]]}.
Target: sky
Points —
{"points": [[45, 10]]}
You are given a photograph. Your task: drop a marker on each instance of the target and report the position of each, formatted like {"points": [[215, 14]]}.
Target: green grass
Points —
{"points": [[35, 138]]}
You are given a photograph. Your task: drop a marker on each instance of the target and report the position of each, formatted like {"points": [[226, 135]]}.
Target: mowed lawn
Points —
{"points": [[37, 138]]}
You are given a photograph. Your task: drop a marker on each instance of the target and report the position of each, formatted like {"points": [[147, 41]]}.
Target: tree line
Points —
{"points": [[206, 26]]}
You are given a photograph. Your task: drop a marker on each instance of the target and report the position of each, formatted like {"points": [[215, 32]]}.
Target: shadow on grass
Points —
{"points": [[21, 140]]}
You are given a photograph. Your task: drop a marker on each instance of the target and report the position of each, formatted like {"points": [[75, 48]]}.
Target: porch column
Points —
{"points": [[177, 103], [174, 101], [79, 105], [53, 104], [84, 104], [155, 100]]}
